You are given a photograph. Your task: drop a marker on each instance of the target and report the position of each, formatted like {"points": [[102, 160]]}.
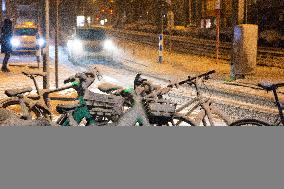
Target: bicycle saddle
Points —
{"points": [[81, 76], [108, 87], [15, 92], [267, 86], [29, 73], [62, 108]]}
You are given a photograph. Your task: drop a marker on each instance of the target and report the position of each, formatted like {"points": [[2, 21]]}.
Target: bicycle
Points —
{"points": [[207, 112], [254, 122], [150, 107], [139, 110], [30, 107]]}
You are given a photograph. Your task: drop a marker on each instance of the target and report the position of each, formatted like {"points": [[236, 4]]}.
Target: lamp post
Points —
{"points": [[58, 3], [56, 43]]}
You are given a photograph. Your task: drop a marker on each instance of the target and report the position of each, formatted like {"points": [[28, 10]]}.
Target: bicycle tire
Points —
{"points": [[249, 122], [38, 111], [180, 118], [61, 119]]}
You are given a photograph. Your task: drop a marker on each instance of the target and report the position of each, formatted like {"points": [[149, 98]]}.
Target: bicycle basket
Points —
{"points": [[160, 108], [103, 104]]}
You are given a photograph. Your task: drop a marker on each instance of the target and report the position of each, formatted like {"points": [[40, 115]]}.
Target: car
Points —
{"points": [[89, 42], [26, 38]]}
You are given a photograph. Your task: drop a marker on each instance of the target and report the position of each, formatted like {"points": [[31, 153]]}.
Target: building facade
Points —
{"points": [[202, 13]]}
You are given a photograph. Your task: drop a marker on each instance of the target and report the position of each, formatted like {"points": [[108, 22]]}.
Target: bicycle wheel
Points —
{"points": [[249, 122], [13, 104], [180, 120]]}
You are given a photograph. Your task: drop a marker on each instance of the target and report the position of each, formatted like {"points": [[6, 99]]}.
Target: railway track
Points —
{"points": [[265, 56]]}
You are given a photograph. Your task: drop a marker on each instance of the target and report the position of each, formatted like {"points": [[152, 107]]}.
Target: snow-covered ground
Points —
{"points": [[130, 58]]}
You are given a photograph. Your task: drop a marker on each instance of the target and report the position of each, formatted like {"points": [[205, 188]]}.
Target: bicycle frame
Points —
{"points": [[204, 103], [279, 105], [28, 102]]}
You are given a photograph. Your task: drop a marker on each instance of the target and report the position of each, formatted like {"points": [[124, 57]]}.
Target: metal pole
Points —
{"points": [[246, 12], [235, 18], [161, 48], [217, 29], [218, 35], [46, 49], [56, 44]]}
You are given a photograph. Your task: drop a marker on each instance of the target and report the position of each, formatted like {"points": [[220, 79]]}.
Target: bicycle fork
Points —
{"points": [[279, 106]]}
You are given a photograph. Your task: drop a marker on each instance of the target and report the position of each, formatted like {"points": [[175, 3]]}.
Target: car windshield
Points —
{"points": [[91, 34], [26, 31]]}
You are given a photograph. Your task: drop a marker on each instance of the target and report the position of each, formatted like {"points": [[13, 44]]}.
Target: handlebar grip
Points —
{"points": [[206, 74], [69, 80], [211, 72], [279, 85]]}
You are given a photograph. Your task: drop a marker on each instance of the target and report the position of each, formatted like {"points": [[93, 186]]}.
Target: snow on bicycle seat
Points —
{"points": [[38, 73], [108, 87], [266, 85], [15, 92], [62, 108]]}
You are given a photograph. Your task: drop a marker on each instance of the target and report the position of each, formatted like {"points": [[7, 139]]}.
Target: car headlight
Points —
{"points": [[108, 44], [15, 42], [41, 42], [75, 45]]}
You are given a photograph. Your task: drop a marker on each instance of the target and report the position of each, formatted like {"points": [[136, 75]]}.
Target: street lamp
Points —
{"points": [[56, 44]]}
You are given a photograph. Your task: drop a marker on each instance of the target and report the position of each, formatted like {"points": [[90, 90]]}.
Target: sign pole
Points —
{"points": [[217, 7], [161, 48], [46, 49]]}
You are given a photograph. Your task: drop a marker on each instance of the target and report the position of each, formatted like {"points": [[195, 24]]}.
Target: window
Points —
{"points": [[91, 34], [26, 31]]}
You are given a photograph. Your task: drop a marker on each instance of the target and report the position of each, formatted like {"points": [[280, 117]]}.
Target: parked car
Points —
{"points": [[88, 41]]}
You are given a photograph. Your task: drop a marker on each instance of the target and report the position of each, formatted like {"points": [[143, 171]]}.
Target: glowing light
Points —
{"points": [[80, 21], [41, 42], [108, 45], [15, 42], [75, 46]]}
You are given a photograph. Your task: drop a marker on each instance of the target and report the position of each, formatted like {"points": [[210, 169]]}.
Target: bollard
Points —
{"points": [[244, 50], [160, 48]]}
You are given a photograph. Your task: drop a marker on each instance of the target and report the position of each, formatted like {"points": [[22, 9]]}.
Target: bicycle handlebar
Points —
{"points": [[191, 79], [29, 74], [85, 75]]}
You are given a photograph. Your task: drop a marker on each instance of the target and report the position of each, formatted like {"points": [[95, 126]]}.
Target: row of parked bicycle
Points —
{"points": [[143, 105]]}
